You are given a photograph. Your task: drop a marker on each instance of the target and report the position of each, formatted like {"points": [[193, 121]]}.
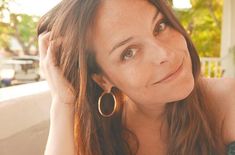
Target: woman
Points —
{"points": [[125, 80]]}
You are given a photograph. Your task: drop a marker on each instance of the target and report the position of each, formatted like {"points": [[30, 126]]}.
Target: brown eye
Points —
{"points": [[160, 27], [129, 53]]}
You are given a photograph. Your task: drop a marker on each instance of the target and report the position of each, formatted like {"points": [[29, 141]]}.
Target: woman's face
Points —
{"points": [[136, 49]]}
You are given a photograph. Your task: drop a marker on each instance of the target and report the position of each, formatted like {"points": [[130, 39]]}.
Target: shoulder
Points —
{"points": [[222, 90]]}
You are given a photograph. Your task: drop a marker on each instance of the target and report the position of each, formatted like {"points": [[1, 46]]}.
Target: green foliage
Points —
{"points": [[24, 30], [4, 31], [21, 27], [4, 5], [4, 37], [203, 23]]}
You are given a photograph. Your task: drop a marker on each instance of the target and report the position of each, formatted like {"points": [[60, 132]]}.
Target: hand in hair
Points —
{"points": [[60, 139], [61, 90]]}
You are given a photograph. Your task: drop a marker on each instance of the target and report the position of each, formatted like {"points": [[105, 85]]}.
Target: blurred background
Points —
{"points": [[24, 96], [18, 40]]}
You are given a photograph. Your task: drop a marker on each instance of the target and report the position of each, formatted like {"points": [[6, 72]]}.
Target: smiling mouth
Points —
{"points": [[171, 75]]}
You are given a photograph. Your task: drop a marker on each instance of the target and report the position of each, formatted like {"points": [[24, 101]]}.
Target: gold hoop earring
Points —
{"points": [[114, 108]]}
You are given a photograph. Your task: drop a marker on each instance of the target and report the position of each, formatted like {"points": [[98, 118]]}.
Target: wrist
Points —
{"points": [[63, 100], [61, 108]]}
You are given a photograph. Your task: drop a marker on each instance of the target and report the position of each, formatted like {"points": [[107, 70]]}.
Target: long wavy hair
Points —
{"points": [[190, 122]]}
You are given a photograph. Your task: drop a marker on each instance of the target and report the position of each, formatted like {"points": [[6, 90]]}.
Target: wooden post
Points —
{"points": [[228, 38]]}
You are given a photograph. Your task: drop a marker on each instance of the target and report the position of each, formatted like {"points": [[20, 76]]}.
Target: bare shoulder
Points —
{"points": [[222, 90]]}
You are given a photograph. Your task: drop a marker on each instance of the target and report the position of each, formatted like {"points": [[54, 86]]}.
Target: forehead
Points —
{"points": [[116, 18], [111, 8]]}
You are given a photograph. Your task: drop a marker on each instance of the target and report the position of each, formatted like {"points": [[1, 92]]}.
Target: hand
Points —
{"points": [[61, 89]]}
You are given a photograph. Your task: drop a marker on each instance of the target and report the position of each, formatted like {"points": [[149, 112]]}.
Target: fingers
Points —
{"points": [[53, 49], [43, 43], [59, 86], [48, 48]]}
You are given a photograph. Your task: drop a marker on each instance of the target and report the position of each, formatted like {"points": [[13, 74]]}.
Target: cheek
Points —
{"points": [[131, 78], [126, 77], [177, 41], [176, 90]]}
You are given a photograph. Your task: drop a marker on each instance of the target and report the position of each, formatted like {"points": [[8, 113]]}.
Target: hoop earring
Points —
{"points": [[114, 108]]}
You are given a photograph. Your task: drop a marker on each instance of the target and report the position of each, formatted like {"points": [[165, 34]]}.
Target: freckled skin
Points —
{"points": [[153, 58]]}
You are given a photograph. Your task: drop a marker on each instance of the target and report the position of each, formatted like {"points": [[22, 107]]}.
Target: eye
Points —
{"points": [[160, 26], [128, 54]]}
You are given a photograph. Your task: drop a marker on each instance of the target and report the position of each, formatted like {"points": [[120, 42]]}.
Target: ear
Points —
{"points": [[103, 82]]}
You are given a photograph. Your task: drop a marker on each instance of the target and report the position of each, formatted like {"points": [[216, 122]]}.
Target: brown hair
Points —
{"points": [[191, 125]]}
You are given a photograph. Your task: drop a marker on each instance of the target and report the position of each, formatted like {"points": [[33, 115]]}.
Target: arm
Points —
{"points": [[60, 139], [61, 133]]}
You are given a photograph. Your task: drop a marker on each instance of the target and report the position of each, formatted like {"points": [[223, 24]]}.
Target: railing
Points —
{"points": [[211, 67]]}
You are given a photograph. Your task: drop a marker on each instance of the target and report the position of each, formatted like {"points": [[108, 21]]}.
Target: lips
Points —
{"points": [[170, 74]]}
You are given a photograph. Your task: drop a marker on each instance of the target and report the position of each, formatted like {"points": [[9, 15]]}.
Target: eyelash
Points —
{"points": [[161, 21], [157, 27]]}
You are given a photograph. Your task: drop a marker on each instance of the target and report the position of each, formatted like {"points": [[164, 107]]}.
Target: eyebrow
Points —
{"points": [[121, 44], [130, 38]]}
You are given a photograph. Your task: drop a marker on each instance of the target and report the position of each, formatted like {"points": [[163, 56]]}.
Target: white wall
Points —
{"points": [[228, 37]]}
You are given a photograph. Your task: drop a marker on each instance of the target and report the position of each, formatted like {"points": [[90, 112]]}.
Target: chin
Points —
{"points": [[184, 91]]}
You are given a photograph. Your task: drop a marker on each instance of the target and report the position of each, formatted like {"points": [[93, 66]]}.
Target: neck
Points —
{"points": [[148, 116]]}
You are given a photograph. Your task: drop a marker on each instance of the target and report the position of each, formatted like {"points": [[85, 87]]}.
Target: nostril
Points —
{"points": [[163, 62]]}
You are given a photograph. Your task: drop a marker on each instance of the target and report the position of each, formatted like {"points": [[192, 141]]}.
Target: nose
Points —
{"points": [[160, 52]]}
